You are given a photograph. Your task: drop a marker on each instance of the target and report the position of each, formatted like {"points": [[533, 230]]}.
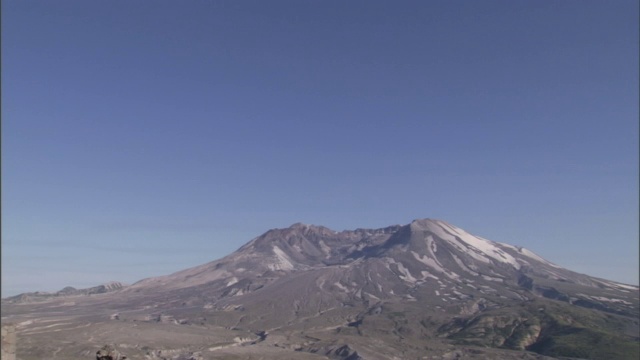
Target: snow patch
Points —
{"points": [[606, 299], [630, 287], [434, 264], [463, 266], [371, 296], [406, 275], [426, 275], [484, 246], [554, 275], [530, 254], [282, 260], [325, 248], [433, 246], [341, 287], [490, 278]]}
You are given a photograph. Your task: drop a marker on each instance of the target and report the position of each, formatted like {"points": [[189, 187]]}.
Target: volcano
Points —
{"points": [[425, 290]]}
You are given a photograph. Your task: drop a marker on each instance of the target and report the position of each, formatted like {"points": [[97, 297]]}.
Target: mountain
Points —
{"points": [[427, 289], [66, 292]]}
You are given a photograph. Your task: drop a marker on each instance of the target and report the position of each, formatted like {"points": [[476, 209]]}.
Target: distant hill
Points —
{"points": [[66, 292]]}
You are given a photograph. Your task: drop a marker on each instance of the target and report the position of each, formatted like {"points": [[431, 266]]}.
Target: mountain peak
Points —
{"points": [[300, 225], [308, 227], [423, 223]]}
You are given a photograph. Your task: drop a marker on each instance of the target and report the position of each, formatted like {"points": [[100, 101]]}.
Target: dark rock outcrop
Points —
{"points": [[109, 352]]}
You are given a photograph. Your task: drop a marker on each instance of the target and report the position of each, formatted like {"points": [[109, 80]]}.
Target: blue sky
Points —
{"points": [[144, 137]]}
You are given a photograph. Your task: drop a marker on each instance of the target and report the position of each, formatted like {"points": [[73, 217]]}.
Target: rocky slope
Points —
{"points": [[392, 262], [427, 288]]}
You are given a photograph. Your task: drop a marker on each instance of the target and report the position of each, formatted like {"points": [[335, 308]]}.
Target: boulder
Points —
{"points": [[109, 352]]}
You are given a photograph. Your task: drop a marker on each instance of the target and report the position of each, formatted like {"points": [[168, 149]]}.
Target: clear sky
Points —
{"points": [[144, 137]]}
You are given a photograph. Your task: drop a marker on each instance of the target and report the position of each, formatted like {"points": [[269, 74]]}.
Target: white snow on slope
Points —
{"points": [[435, 265], [490, 278], [432, 261], [463, 266], [426, 275], [487, 247], [405, 274], [441, 233], [606, 299], [630, 287], [282, 260], [341, 287], [326, 249], [530, 254]]}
